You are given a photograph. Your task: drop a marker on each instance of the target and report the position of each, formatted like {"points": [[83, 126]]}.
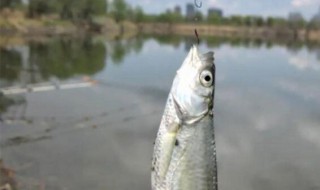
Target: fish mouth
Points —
{"points": [[186, 118]]}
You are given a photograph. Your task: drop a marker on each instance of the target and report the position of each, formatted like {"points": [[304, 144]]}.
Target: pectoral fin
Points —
{"points": [[167, 145]]}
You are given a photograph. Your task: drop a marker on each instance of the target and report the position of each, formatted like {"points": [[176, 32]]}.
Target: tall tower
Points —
{"points": [[190, 11]]}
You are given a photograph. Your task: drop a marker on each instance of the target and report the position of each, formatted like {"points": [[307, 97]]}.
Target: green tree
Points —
{"points": [[119, 8], [214, 19], [139, 15], [169, 16], [10, 3], [151, 18], [176, 17], [39, 7], [90, 8], [259, 21], [82, 9], [247, 21], [279, 22], [65, 9], [270, 22], [236, 20], [164, 17], [198, 16], [226, 20]]}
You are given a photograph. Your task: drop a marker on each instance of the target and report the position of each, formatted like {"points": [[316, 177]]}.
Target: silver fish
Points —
{"points": [[184, 155]]}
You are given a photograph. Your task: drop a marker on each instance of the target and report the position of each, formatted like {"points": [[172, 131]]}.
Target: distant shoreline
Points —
{"points": [[230, 31], [23, 27]]}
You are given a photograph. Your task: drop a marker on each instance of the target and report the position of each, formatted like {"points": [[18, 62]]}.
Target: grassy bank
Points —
{"points": [[17, 29], [16, 23]]}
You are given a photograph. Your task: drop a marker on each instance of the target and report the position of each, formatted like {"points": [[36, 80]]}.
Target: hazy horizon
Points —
{"points": [[308, 8], [275, 8]]}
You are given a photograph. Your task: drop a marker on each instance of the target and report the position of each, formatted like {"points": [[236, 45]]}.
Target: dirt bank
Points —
{"points": [[229, 31], [16, 23]]}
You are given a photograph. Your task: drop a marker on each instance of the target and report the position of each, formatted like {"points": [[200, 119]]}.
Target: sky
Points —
{"points": [[307, 8]]}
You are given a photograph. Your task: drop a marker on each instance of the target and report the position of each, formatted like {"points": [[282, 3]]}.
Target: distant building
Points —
{"points": [[295, 17], [317, 16], [316, 19], [215, 12], [190, 13], [177, 10]]}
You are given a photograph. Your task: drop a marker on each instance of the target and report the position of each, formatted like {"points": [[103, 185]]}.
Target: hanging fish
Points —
{"points": [[184, 155]]}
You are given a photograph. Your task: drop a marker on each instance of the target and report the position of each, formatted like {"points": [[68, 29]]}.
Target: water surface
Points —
{"points": [[267, 111]]}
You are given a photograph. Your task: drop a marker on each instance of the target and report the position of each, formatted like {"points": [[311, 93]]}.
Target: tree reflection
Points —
{"points": [[10, 64], [138, 44], [119, 51], [174, 40], [217, 41], [121, 48], [314, 47], [257, 43], [294, 46], [62, 58], [5, 102], [65, 58]]}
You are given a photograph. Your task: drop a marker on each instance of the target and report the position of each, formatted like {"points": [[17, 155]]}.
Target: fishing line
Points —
{"points": [[195, 30], [196, 33]]}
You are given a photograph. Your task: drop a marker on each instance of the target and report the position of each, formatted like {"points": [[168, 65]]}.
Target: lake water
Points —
{"points": [[100, 136]]}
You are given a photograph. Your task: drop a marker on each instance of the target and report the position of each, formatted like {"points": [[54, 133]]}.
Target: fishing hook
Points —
{"points": [[198, 5], [196, 33]]}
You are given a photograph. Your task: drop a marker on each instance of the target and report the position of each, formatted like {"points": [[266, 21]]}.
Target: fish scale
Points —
{"points": [[184, 155]]}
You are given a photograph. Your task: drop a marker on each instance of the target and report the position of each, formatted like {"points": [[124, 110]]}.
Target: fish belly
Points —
{"points": [[193, 164]]}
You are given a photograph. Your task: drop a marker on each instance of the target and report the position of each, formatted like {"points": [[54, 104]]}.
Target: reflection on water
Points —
{"points": [[10, 64], [100, 137], [59, 58], [5, 102], [65, 58]]}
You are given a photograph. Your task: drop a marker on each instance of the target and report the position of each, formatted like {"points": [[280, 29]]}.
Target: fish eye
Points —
{"points": [[206, 78]]}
